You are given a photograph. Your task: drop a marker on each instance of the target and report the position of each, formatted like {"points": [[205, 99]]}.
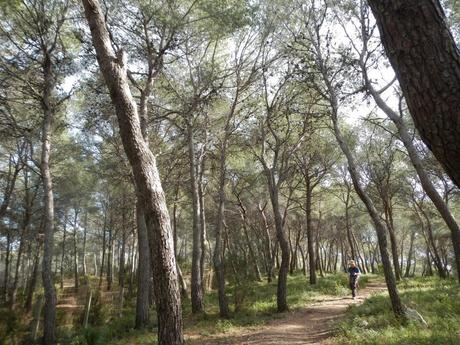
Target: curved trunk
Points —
{"points": [[147, 179]]}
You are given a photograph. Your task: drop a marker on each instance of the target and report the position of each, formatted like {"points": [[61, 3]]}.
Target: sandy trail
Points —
{"points": [[313, 325]]}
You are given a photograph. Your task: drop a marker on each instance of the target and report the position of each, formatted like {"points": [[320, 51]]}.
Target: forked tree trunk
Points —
{"points": [[426, 60], [143, 163]]}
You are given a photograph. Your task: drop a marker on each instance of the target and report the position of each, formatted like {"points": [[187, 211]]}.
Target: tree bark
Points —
{"points": [[7, 265], [218, 250], [281, 293], [426, 60], [143, 271], [48, 201], [196, 283], [85, 229], [310, 246], [143, 163], [75, 250]]}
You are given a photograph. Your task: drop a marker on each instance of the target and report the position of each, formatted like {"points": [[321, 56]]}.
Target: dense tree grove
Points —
{"points": [[158, 150]]}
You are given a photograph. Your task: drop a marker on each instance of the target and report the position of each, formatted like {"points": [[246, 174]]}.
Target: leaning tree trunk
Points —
{"points": [[416, 161], [379, 226], [143, 163], [48, 201], [426, 60]]}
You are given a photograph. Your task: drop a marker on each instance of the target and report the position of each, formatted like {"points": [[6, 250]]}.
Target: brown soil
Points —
{"points": [[313, 325]]}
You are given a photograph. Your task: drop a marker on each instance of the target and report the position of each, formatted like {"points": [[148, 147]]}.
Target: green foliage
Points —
{"points": [[259, 302], [9, 326], [436, 300]]}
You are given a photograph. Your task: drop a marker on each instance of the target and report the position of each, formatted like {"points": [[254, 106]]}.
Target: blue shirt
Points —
{"points": [[353, 271]]}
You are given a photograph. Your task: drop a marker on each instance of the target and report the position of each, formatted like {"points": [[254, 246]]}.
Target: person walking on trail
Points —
{"points": [[353, 273]]}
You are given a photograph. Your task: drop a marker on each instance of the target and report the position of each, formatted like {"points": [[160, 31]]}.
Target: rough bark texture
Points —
{"points": [[143, 163], [143, 272], [426, 60]]}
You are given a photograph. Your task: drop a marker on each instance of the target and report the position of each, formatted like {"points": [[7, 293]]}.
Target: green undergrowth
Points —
{"points": [[251, 304], [254, 303], [438, 301]]}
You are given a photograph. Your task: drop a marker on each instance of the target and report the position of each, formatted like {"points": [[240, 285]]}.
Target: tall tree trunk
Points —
{"points": [[196, 283], [310, 246], [143, 271], [14, 288], [147, 179], [203, 235], [75, 250], [426, 60], [28, 205], [7, 265], [110, 253], [268, 244], [281, 293], [104, 245], [64, 235], [218, 250], [85, 229], [182, 282], [33, 278], [393, 241], [409, 255], [48, 201]]}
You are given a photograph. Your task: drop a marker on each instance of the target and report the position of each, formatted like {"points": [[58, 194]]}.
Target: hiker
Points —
{"points": [[354, 273]]}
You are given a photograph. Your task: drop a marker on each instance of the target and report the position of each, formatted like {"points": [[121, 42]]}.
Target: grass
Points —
{"points": [[373, 323], [251, 303], [257, 303]]}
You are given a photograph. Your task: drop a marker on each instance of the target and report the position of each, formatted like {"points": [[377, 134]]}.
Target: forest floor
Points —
{"points": [[312, 325]]}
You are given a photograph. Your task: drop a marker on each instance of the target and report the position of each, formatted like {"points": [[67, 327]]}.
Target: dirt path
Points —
{"points": [[312, 325]]}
